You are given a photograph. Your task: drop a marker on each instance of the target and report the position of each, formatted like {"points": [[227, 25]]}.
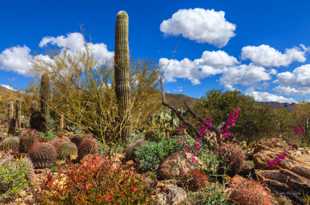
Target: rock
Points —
{"points": [[177, 165], [131, 148], [291, 176], [169, 194], [247, 168]]}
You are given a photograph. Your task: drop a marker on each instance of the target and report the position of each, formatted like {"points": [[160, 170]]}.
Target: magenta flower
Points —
{"points": [[299, 130], [277, 160], [230, 123]]}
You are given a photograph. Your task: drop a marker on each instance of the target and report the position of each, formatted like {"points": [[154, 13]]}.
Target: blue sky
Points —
{"points": [[259, 36]]}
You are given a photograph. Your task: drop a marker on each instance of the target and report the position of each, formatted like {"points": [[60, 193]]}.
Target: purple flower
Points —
{"points": [[230, 123], [277, 160], [299, 130]]}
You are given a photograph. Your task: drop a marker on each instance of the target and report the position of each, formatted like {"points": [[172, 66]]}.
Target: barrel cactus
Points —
{"points": [[27, 139], [248, 192], [76, 139], [42, 155], [232, 157], [122, 71], [88, 145], [10, 143], [67, 150], [59, 141]]}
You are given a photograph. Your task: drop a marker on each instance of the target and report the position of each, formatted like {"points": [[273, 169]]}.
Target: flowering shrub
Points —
{"points": [[97, 180]]}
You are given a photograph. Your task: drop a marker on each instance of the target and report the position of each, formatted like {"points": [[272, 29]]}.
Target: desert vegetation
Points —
{"points": [[85, 134]]}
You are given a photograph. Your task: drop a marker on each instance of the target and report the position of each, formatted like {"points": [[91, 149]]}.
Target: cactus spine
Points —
{"points": [[44, 97], [122, 70]]}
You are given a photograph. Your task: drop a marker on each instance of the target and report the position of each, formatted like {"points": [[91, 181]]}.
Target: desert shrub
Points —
{"points": [[210, 195], [210, 160], [15, 176], [86, 97], [151, 154], [256, 119], [47, 136], [97, 180]]}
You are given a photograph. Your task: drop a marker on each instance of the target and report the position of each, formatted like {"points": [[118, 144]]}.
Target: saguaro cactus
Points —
{"points": [[44, 97], [122, 70], [11, 119], [18, 107]]}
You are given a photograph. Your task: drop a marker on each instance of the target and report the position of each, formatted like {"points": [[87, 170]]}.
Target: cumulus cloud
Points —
{"points": [[269, 97], [264, 55], [296, 82], [210, 63], [201, 25], [246, 75], [8, 87], [75, 43], [20, 60], [16, 59]]}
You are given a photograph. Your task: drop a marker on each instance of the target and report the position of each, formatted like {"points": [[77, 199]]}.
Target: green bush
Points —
{"points": [[210, 160], [14, 177], [151, 154], [211, 195]]}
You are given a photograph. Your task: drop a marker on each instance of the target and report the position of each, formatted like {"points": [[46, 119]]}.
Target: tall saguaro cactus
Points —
{"points": [[18, 107], [11, 119], [122, 70], [44, 97]]}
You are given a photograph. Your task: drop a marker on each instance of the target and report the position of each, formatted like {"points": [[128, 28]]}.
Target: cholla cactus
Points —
{"points": [[42, 155], [232, 156], [122, 71], [10, 143], [87, 146]]}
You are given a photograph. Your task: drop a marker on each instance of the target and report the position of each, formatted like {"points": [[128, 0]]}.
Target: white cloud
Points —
{"points": [[299, 77], [269, 97], [201, 25], [246, 75], [17, 59], [20, 60], [75, 43], [210, 63], [8, 87], [296, 82], [264, 55]]}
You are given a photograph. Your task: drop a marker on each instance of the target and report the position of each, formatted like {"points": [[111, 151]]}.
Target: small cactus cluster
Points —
{"points": [[232, 156], [10, 143], [42, 155], [88, 145], [27, 139], [248, 192]]}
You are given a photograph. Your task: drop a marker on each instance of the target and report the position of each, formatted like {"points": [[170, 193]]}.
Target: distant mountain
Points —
{"points": [[177, 100], [8, 94], [278, 105]]}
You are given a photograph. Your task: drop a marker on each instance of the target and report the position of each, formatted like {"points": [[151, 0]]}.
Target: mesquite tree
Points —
{"points": [[122, 72]]}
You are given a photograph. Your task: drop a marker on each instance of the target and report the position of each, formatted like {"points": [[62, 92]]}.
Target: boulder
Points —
{"points": [[291, 175], [169, 194], [177, 165]]}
